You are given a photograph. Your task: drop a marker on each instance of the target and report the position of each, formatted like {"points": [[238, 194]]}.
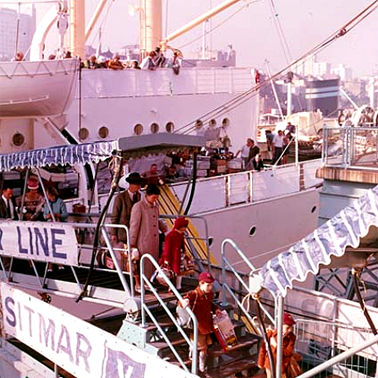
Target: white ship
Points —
{"points": [[266, 212]]}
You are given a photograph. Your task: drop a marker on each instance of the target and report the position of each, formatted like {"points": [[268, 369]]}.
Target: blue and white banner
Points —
{"points": [[75, 345], [50, 242]]}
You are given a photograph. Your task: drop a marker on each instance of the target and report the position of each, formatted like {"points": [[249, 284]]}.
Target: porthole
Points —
{"points": [[138, 129], [18, 139], [154, 128], [169, 127], [103, 132], [212, 123], [83, 133], [198, 125], [225, 122], [210, 241], [313, 210], [252, 230]]}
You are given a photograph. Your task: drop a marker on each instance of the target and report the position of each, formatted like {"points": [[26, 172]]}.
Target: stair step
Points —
{"points": [[244, 365], [245, 342]]}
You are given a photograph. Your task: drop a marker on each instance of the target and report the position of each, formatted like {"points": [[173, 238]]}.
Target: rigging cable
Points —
{"points": [[220, 24], [104, 20], [245, 96], [280, 32]]}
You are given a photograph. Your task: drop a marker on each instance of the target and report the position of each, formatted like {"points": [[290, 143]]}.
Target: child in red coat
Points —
{"points": [[174, 249], [200, 300]]}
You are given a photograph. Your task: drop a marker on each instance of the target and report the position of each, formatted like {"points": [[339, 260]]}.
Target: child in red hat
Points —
{"points": [[200, 300], [174, 249], [288, 343]]}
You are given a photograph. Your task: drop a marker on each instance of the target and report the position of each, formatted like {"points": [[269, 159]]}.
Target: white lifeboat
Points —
{"points": [[38, 88]]}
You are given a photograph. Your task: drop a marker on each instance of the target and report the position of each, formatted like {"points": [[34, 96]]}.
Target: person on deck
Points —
{"points": [[244, 152], [8, 204], [57, 206], [115, 63], [148, 63], [257, 163], [277, 147], [34, 201], [152, 176]]}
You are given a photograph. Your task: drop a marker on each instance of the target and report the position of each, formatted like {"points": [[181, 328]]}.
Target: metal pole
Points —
{"points": [[274, 89], [279, 323], [296, 145], [288, 110]]}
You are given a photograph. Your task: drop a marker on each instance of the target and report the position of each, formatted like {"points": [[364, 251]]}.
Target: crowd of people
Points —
{"points": [[33, 207], [152, 61]]}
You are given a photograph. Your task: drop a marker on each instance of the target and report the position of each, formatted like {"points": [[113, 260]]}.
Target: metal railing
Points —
{"points": [[338, 348], [84, 234], [146, 311], [350, 147]]}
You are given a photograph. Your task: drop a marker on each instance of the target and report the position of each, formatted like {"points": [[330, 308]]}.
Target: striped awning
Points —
{"points": [[331, 239], [71, 154], [132, 147]]}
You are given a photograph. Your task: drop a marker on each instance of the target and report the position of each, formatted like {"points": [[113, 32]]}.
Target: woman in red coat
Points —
{"points": [[174, 247], [288, 343]]}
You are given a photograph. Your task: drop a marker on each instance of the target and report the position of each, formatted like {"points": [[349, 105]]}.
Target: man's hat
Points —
{"points": [[206, 277], [181, 222], [33, 183], [134, 178], [288, 319]]}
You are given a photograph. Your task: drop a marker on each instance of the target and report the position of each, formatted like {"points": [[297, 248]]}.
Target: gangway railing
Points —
{"points": [[228, 268], [194, 241], [40, 280], [145, 310]]}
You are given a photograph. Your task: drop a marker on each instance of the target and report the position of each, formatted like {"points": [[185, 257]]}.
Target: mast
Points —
{"points": [[150, 25], [95, 17], [77, 28]]}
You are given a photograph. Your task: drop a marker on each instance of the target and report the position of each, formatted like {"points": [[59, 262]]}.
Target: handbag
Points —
{"points": [[183, 317], [159, 277]]}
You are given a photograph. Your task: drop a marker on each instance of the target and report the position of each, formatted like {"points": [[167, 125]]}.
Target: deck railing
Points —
{"points": [[350, 147]]}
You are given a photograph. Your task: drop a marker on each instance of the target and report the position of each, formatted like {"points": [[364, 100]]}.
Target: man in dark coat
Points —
{"points": [[8, 204], [122, 207]]}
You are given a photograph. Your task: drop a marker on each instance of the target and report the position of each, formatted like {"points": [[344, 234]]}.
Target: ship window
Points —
{"points": [[198, 125], [169, 127], [103, 132], [225, 122], [154, 128], [138, 129], [212, 123], [18, 139], [210, 240], [83, 133], [313, 209], [252, 230]]}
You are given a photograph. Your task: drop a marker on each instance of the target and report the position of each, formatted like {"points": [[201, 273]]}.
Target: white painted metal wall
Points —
{"points": [[241, 188]]}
